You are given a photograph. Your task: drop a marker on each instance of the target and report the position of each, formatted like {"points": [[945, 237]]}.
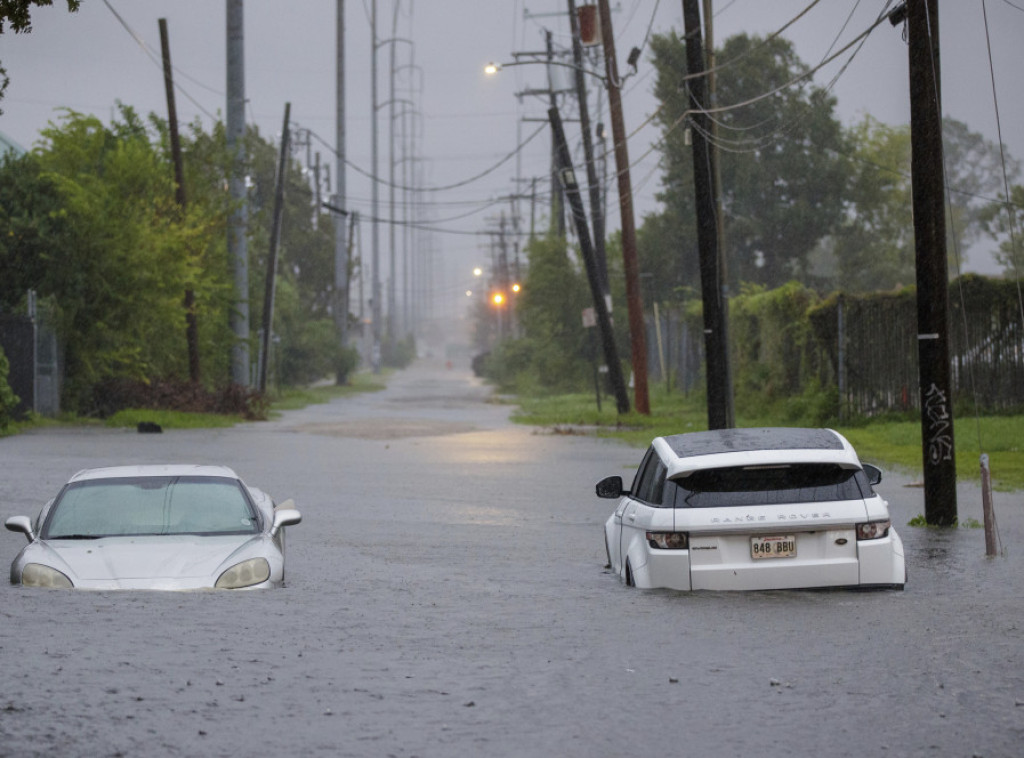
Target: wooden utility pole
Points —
{"points": [[634, 302], [716, 343], [557, 224], [191, 325], [275, 239], [604, 324], [928, 189]]}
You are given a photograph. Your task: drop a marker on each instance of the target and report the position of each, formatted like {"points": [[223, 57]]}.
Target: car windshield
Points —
{"points": [[151, 505], [769, 485]]}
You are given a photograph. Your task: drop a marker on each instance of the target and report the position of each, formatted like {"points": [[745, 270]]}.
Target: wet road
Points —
{"points": [[446, 596]]}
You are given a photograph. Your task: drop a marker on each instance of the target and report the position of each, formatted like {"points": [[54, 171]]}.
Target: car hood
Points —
{"points": [[147, 562]]}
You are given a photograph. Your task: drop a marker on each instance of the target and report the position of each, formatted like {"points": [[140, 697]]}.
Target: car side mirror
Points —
{"points": [[610, 487], [874, 474], [21, 524], [285, 517]]}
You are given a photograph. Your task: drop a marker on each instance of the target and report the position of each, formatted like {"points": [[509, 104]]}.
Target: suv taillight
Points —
{"points": [[873, 530]]}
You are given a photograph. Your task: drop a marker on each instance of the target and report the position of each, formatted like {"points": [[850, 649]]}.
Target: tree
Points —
{"points": [[18, 14], [782, 163], [553, 353], [308, 345], [874, 249], [1002, 222]]}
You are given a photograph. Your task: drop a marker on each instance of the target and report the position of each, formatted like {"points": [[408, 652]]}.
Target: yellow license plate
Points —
{"points": [[773, 547]]}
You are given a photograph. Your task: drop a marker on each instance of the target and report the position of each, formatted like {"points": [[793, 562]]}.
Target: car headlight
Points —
{"points": [[38, 575], [668, 540], [873, 530], [244, 574]]}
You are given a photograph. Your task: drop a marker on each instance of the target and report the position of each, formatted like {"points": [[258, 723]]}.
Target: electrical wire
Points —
{"points": [[158, 62], [1002, 156], [442, 188]]}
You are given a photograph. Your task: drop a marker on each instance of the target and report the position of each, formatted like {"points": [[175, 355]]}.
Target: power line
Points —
{"points": [[159, 64], [455, 185]]}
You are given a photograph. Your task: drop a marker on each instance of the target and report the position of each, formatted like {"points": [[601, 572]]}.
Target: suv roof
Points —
{"points": [[685, 453]]}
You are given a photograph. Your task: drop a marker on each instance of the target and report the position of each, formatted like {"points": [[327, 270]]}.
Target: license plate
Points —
{"points": [[773, 547]]}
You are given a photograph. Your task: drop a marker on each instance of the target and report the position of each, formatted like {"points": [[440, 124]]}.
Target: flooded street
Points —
{"points": [[446, 595]]}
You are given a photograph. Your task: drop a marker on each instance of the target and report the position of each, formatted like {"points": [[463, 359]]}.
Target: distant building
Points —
{"points": [[7, 145]]}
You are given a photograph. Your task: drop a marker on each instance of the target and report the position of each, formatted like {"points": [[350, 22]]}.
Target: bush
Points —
{"points": [[8, 400], [115, 395], [398, 353], [345, 363]]}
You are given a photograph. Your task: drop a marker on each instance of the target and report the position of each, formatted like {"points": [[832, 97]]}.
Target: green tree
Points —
{"points": [[874, 249], [32, 223], [782, 164], [308, 344], [1002, 222], [554, 352]]}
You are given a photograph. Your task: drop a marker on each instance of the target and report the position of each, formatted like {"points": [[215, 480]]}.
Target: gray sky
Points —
{"points": [[469, 121]]}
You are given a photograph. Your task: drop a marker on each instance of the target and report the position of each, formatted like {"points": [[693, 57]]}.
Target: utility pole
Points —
{"points": [[375, 292], [557, 201], [238, 244], [928, 190], [716, 344], [275, 239], [604, 323], [634, 303], [596, 206], [191, 325], [341, 251]]}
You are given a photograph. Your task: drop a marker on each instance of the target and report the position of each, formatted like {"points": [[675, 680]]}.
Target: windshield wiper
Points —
{"points": [[74, 537]]}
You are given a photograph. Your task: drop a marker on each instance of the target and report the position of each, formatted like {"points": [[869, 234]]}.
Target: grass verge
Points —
{"points": [[888, 443]]}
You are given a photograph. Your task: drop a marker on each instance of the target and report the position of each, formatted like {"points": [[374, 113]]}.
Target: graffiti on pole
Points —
{"points": [[940, 440]]}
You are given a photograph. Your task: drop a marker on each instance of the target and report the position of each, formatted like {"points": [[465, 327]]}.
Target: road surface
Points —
{"points": [[446, 596]]}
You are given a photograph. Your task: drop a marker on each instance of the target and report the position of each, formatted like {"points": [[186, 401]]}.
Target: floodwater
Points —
{"points": [[446, 595]]}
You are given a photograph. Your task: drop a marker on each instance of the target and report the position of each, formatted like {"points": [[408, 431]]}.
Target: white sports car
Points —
{"points": [[752, 509], [155, 527]]}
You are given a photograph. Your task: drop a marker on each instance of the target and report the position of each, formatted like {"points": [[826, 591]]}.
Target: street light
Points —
{"points": [[492, 68]]}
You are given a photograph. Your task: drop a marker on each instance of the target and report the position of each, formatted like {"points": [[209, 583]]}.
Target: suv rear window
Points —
{"points": [[769, 485]]}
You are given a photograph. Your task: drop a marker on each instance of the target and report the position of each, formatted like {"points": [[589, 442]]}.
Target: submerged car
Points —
{"points": [[752, 509], [155, 527]]}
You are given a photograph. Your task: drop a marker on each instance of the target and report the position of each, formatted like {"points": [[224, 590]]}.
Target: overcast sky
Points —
{"points": [[467, 121]]}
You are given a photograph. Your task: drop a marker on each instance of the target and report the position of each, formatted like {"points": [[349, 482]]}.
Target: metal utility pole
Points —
{"points": [[928, 190], [191, 325], [341, 264], [238, 243], [716, 343], [392, 304], [596, 206], [375, 292], [637, 329], [604, 323], [275, 238]]}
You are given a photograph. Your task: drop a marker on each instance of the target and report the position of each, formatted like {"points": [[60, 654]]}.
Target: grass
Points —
{"points": [[170, 419], [286, 400], [888, 443]]}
